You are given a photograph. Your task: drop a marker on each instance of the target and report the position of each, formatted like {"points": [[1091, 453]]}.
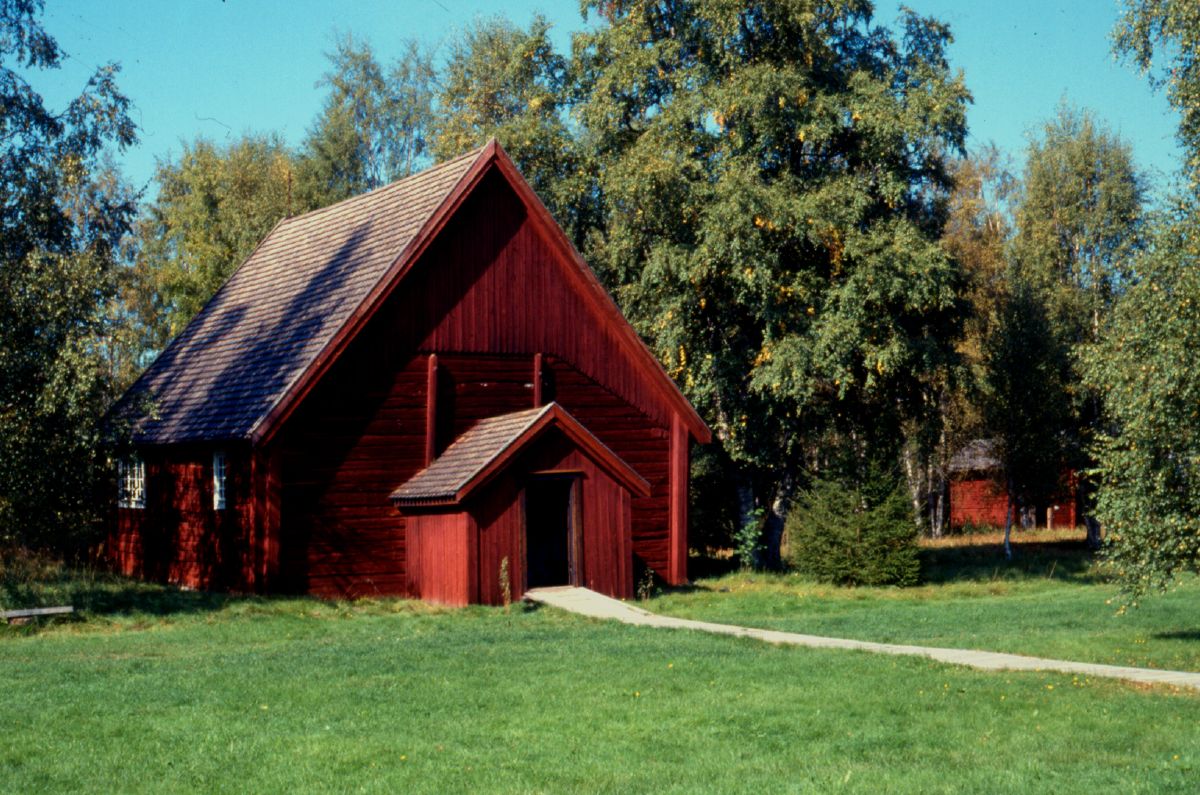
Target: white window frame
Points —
{"points": [[131, 483], [219, 471]]}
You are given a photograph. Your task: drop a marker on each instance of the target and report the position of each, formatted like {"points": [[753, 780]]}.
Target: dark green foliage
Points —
{"points": [[1042, 294], [1078, 217], [853, 536], [1163, 38], [1149, 453], [1024, 397], [712, 501], [63, 218], [772, 178]]}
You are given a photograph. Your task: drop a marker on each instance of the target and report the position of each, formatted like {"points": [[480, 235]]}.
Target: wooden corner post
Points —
{"points": [[431, 399], [537, 380], [678, 543]]}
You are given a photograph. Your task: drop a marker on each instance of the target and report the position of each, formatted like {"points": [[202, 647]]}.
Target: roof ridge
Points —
{"points": [[472, 459], [420, 176]]}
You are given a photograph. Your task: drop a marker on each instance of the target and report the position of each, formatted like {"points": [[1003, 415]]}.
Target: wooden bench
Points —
{"points": [[35, 612]]}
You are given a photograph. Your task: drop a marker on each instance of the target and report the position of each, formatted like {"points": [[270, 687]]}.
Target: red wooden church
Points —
{"points": [[422, 390]]}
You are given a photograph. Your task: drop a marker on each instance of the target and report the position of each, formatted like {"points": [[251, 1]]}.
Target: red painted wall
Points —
{"points": [[487, 286], [981, 501], [486, 297], [605, 515], [455, 557], [442, 554], [179, 537], [359, 435]]}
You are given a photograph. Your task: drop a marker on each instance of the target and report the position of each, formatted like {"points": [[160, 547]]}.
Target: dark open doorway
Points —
{"points": [[551, 550]]}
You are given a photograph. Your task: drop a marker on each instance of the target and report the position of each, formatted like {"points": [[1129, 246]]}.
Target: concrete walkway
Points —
{"points": [[594, 605]]}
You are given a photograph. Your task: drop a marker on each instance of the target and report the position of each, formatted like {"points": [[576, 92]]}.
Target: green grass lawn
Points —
{"points": [[157, 690], [1051, 601], [152, 689]]}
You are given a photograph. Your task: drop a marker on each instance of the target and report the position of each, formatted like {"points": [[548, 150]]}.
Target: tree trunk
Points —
{"points": [[939, 487], [771, 554], [748, 538], [918, 484], [937, 510], [1008, 521], [745, 493], [1093, 532]]}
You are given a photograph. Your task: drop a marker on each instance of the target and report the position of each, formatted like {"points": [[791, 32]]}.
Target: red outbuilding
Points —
{"points": [[978, 496], [424, 391]]}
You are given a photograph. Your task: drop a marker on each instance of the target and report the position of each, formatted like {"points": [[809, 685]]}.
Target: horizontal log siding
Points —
{"points": [[359, 432]]}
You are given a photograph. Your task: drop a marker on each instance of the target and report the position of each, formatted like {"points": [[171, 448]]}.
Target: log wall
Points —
{"points": [[490, 297], [486, 299], [179, 537]]}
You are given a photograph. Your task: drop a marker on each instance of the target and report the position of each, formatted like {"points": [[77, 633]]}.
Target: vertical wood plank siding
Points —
{"points": [[443, 558], [485, 299], [604, 516], [179, 537], [677, 563]]}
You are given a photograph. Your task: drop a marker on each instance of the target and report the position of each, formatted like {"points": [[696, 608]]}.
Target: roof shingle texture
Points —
{"points": [[238, 357], [468, 455], [978, 455]]}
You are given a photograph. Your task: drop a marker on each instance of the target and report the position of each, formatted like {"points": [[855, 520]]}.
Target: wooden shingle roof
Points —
{"points": [[484, 450], [978, 455], [234, 362], [250, 355]]}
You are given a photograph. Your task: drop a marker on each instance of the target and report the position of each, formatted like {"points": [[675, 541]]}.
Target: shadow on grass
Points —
{"points": [[1065, 561], [27, 581], [711, 566], [967, 560], [123, 597], [1182, 634]]}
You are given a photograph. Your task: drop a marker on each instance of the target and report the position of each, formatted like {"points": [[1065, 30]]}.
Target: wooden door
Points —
{"points": [[552, 531]]}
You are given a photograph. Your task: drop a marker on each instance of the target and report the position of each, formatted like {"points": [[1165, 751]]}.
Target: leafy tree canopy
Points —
{"points": [[1078, 217], [374, 127], [1163, 39], [214, 205], [63, 216], [773, 177], [1149, 452]]}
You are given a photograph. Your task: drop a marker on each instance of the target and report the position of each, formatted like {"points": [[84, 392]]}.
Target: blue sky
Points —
{"points": [[219, 69]]}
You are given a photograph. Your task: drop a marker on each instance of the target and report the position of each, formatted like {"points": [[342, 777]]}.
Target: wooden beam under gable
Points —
{"points": [[678, 522], [579, 274], [270, 423], [607, 310], [431, 405]]}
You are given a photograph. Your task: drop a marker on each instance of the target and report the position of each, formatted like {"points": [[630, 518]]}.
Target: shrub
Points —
{"points": [[848, 536]]}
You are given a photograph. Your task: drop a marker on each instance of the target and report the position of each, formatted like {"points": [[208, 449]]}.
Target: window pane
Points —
{"points": [[218, 470]]}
